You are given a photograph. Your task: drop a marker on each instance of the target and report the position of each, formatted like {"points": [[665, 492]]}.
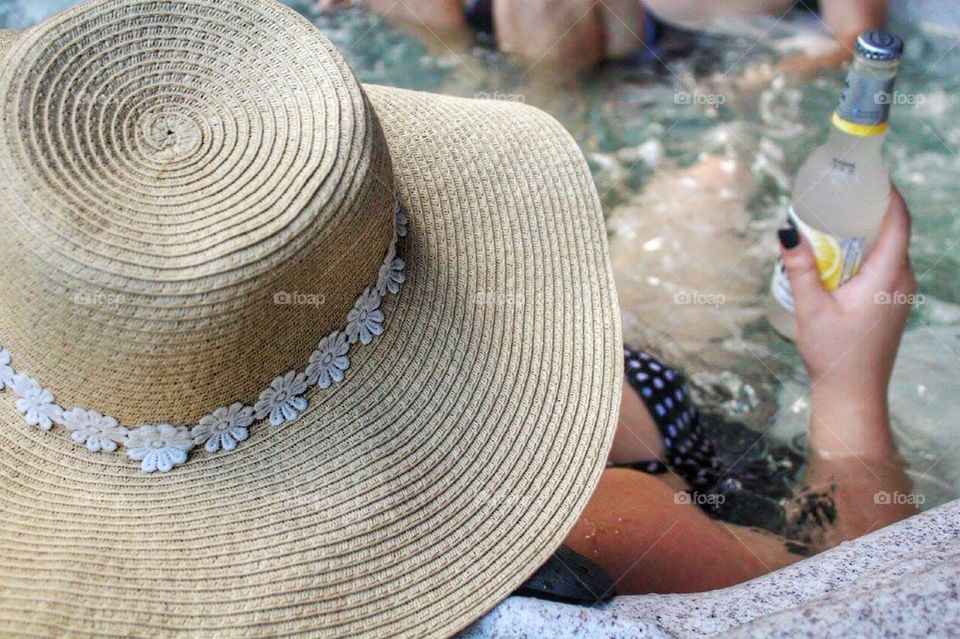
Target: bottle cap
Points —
{"points": [[877, 44]]}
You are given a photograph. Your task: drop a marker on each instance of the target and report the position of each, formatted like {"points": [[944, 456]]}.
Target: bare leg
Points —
{"points": [[566, 34], [443, 15], [668, 297], [637, 438], [440, 24], [696, 14], [623, 24]]}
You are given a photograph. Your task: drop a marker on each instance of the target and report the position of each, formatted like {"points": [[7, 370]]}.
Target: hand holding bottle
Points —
{"points": [[849, 337], [842, 188]]}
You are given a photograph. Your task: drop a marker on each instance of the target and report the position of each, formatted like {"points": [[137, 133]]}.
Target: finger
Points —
{"points": [[889, 259], [801, 266]]}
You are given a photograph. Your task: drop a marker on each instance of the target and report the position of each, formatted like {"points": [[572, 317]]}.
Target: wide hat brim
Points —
{"points": [[411, 498]]}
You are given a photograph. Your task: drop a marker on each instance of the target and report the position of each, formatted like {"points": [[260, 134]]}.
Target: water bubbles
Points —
{"points": [[779, 109], [650, 153], [725, 391], [653, 245]]}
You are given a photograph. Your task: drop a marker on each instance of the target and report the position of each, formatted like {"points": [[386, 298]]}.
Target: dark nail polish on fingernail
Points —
{"points": [[789, 238]]}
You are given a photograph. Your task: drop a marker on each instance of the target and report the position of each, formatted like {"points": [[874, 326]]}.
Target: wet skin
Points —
{"points": [[649, 538]]}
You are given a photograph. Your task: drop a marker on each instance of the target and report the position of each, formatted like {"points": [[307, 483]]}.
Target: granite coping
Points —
{"points": [[901, 581]]}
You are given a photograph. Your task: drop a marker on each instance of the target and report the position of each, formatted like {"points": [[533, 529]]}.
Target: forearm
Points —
{"points": [[850, 424], [855, 463]]}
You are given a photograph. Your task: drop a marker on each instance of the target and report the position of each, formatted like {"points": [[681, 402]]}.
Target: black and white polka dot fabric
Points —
{"points": [[688, 452]]}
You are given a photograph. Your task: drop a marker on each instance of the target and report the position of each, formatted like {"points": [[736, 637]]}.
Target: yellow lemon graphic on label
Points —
{"points": [[829, 256], [838, 260]]}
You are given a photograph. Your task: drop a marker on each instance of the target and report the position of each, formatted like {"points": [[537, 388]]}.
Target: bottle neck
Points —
{"points": [[868, 93]]}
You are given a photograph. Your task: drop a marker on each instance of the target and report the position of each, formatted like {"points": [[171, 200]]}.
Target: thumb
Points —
{"points": [[801, 266]]}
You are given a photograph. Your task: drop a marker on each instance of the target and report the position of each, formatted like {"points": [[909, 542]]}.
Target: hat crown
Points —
{"points": [[194, 193]]}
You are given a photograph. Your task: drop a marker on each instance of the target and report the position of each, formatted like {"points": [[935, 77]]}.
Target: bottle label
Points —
{"points": [[838, 260], [866, 101]]}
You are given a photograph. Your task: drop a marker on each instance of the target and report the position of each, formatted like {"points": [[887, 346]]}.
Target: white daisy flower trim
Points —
{"points": [[391, 276], [162, 447], [6, 373], [365, 321], [35, 402], [93, 430], [329, 363], [283, 400], [225, 428]]}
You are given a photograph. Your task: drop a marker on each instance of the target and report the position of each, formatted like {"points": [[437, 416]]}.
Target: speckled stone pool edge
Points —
{"points": [[902, 580]]}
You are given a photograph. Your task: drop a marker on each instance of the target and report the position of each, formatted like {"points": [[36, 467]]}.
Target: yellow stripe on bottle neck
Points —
{"points": [[860, 130]]}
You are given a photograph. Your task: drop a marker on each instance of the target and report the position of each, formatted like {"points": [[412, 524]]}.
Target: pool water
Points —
{"points": [[693, 161]]}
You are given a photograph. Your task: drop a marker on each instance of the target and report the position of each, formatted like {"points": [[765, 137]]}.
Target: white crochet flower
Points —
{"points": [[224, 429], [99, 433], [160, 447], [365, 320], [36, 403], [400, 218], [329, 361], [283, 400], [6, 372], [391, 275]]}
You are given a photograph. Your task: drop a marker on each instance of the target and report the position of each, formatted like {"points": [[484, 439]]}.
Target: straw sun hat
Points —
{"points": [[282, 354]]}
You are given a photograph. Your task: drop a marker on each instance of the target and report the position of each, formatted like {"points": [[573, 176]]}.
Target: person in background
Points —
{"points": [[577, 34]]}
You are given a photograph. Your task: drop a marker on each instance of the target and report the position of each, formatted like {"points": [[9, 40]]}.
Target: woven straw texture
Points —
{"points": [[192, 158], [188, 163]]}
